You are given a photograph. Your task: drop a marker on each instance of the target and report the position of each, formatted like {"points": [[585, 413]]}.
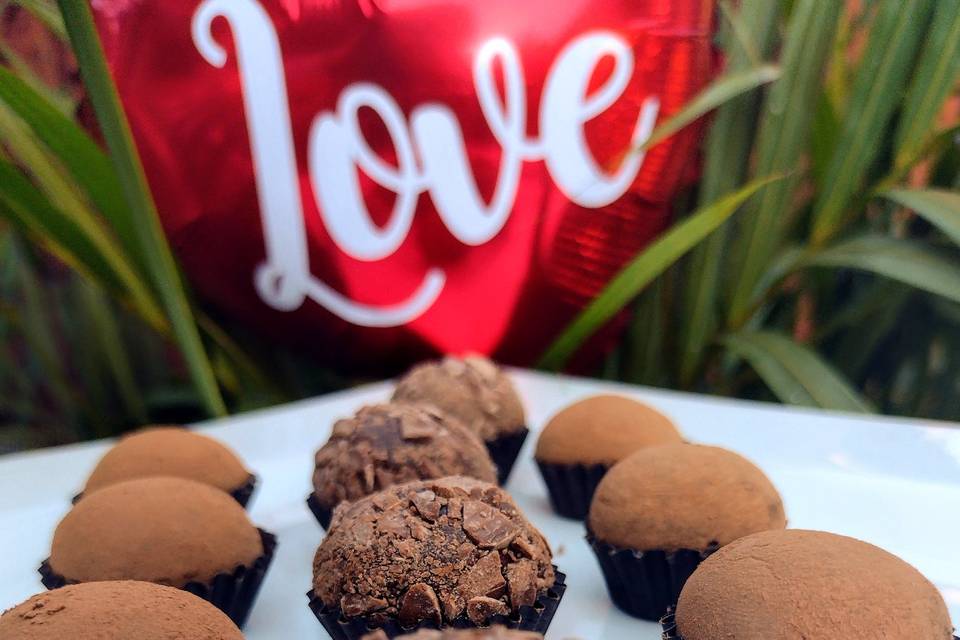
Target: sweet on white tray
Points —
{"points": [[892, 482]]}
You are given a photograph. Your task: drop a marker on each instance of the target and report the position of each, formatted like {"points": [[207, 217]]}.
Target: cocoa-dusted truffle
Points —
{"points": [[169, 451], [116, 611], [603, 430], [169, 531], [473, 390], [683, 496], [431, 550], [809, 585], [492, 633], [388, 444]]}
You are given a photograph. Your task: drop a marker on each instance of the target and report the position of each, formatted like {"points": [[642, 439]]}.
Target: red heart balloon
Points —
{"points": [[399, 176]]}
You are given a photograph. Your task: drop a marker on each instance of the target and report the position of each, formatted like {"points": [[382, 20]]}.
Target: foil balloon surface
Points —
{"points": [[377, 180]]}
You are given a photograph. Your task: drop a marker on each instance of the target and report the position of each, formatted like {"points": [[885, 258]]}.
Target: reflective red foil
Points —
{"points": [[508, 294]]}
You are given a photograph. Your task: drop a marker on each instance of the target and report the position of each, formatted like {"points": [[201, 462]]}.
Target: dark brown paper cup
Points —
{"points": [[530, 618], [233, 593], [670, 631], [504, 451], [241, 494], [321, 513], [571, 486], [645, 584]]}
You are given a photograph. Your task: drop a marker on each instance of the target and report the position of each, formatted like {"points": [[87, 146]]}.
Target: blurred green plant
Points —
{"points": [[816, 262], [835, 287]]}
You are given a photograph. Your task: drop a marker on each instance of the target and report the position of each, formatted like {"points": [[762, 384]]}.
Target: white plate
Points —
{"points": [[895, 483]]}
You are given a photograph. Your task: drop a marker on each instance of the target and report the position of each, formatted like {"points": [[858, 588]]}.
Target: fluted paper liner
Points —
{"points": [[645, 584], [571, 486], [233, 593], [529, 618]]}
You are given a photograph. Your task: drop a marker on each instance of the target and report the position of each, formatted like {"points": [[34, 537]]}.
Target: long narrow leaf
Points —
{"points": [[719, 92], [46, 13], [939, 207], [751, 34], [60, 100], [933, 80], [649, 264], [794, 372], [784, 132], [69, 241], [895, 38], [105, 333], [76, 150], [153, 246], [908, 261]]}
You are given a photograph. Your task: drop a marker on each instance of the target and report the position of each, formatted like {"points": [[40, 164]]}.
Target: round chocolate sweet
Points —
{"points": [[431, 550], [683, 496], [388, 444], [169, 451], [809, 585], [169, 531], [495, 632], [116, 611], [473, 390], [603, 430]]}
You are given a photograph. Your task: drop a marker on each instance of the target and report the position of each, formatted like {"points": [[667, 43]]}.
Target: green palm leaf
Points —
{"points": [[794, 372], [650, 263]]}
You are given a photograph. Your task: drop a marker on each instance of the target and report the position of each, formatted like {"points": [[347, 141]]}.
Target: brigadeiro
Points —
{"points": [[580, 444], [479, 394], [169, 531], [659, 512], [122, 610], [389, 444], [177, 452], [454, 552], [807, 585], [492, 633]]}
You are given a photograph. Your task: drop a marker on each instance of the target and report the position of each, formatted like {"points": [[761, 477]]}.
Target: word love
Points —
{"points": [[430, 155]]}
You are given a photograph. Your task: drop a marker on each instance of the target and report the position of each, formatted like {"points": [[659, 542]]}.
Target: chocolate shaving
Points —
{"points": [[427, 504], [410, 430], [522, 583], [486, 526], [485, 578], [419, 603], [481, 609], [385, 501], [354, 604]]}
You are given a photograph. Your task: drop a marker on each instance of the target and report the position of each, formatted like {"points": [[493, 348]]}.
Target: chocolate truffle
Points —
{"points": [[659, 512], [116, 611], [580, 444], [388, 444], [169, 451], [603, 430], [434, 550], [809, 585], [169, 531], [473, 390], [492, 633], [683, 496]]}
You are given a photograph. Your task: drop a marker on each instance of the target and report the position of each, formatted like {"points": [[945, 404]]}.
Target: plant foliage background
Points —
{"points": [[817, 261]]}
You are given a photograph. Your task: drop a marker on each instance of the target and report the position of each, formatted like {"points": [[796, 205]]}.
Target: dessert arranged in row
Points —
{"points": [[422, 542]]}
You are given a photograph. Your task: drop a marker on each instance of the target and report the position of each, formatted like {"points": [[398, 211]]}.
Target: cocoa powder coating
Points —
{"points": [[683, 496], [809, 585], [493, 633], [169, 531], [432, 550], [169, 451], [603, 430], [472, 389], [116, 611], [389, 444]]}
